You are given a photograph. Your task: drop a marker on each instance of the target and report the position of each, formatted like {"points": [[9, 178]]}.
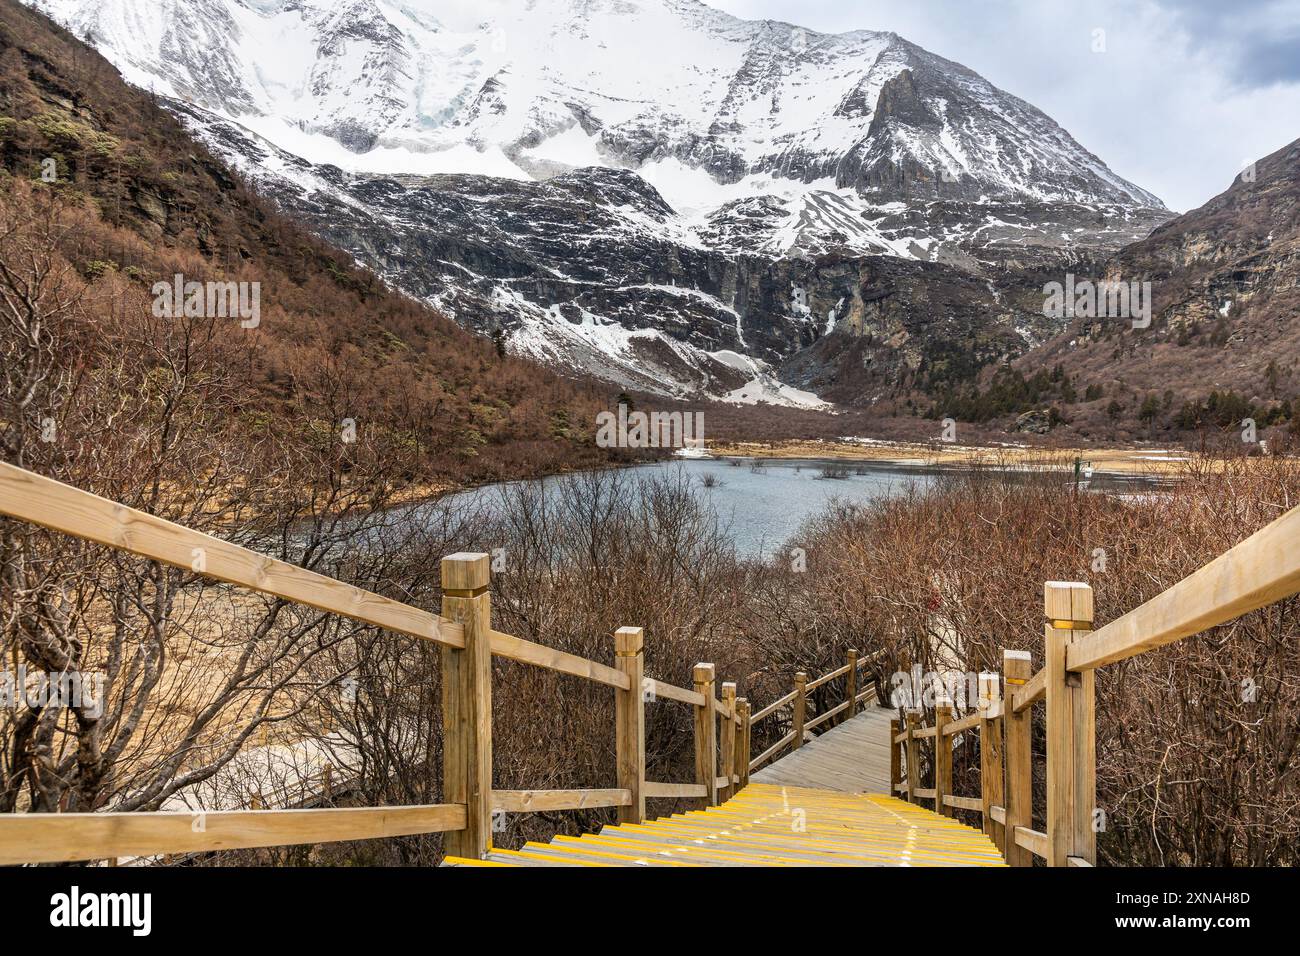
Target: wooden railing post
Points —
{"points": [[992, 785], [1016, 670], [895, 757], [800, 705], [728, 742], [851, 685], [1071, 744], [942, 757], [706, 740], [467, 703], [913, 776], [742, 743], [629, 721]]}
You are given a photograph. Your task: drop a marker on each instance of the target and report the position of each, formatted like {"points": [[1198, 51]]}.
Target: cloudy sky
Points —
{"points": [[1182, 96]]}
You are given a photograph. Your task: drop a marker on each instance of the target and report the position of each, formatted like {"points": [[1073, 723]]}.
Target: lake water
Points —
{"points": [[765, 505]]}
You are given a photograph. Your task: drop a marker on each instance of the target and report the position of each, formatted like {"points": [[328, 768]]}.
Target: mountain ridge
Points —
{"points": [[772, 151]]}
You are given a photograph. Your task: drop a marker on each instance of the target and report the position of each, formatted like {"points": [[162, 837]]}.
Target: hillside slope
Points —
{"points": [[157, 203], [1224, 341]]}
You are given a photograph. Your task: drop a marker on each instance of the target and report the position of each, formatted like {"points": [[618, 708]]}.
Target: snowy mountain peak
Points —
{"points": [[652, 192], [689, 96]]}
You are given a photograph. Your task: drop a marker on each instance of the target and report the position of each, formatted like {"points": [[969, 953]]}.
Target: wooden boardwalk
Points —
{"points": [[823, 805], [819, 803], [851, 758]]}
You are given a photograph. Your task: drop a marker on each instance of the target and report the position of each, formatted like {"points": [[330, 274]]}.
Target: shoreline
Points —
{"points": [[1120, 461]]}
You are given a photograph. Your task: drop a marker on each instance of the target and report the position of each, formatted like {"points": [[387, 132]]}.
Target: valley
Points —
{"points": [[812, 221]]}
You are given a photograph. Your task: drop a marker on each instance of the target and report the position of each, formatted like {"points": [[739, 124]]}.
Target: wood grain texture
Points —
{"points": [[1018, 757], [942, 757], [1030, 692], [629, 722], [526, 652], [1035, 841], [67, 837], [706, 735], [669, 692], [676, 791], [1262, 569], [727, 742], [467, 717], [59, 507], [537, 801]]}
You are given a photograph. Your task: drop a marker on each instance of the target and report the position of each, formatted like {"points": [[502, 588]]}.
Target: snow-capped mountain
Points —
{"points": [[762, 141], [527, 88]]}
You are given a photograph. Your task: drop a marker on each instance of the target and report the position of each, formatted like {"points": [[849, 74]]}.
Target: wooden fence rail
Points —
{"points": [[468, 643], [797, 699], [1263, 569]]}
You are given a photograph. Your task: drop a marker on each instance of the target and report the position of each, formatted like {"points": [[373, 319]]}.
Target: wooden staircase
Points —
{"points": [[825, 804], [769, 825], [809, 798]]}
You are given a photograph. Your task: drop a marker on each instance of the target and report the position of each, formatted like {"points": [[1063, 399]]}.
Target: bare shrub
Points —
{"points": [[1190, 770]]}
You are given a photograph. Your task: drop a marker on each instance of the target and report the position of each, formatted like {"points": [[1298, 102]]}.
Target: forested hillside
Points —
{"points": [[130, 200]]}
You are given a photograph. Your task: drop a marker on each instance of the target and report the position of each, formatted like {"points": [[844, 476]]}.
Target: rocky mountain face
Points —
{"points": [[650, 191], [1226, 285]]}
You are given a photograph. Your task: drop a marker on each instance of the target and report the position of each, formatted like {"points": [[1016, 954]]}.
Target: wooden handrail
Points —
{"points": [[1033, 691], [1035, 841], [771, 751], [827, 677], [67, 837], [1259, 571], [1263, 569], [518, 649], [52, 504], [468, 643], [801, 722], [774, 706], [669, 692], [820, 718], [536, 801], [59, 507], [675, 791], [968, 722]]}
